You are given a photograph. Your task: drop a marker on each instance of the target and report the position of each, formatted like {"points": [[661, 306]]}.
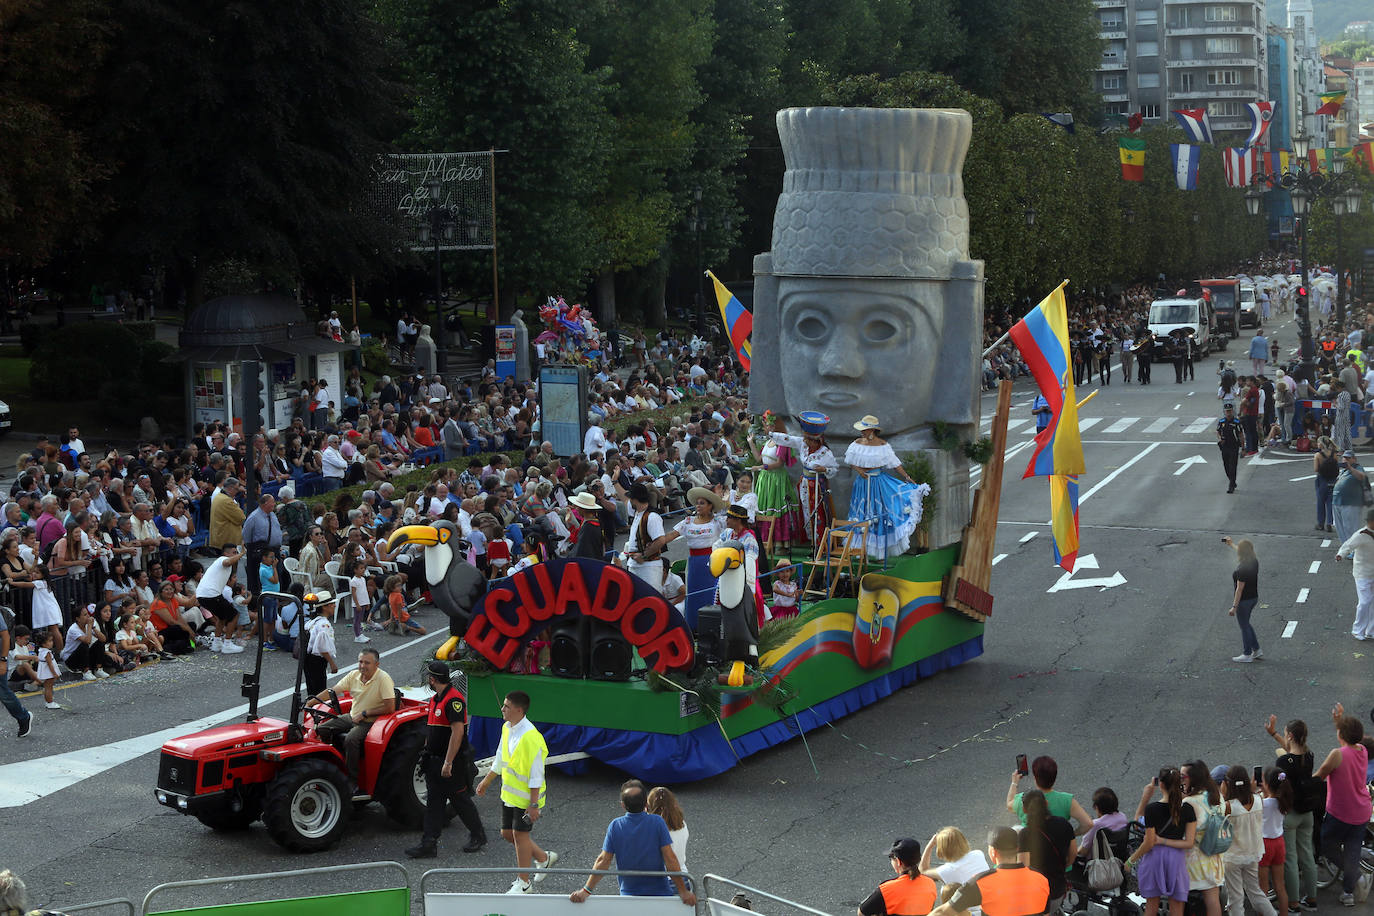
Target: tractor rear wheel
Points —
{"points": [[400, 780], [235, 812], [307, 805]]}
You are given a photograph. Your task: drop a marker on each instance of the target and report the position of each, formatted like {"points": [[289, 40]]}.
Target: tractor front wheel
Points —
{"points": [[236, 812], [307, 805]]}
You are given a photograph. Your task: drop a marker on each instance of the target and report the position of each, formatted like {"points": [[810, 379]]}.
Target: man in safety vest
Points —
{"points": [[520, 764], [910, 893], [1010, 889], [447, 765]]}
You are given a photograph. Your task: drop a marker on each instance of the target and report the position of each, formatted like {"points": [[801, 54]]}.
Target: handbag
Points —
{"points": [[1103, 869]]}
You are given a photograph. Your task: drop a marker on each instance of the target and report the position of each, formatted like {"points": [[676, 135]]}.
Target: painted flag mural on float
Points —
{"points": [[1186, 160], [1242, 165], [1195, 124], [1261, 113], [1132, 153], [1064, 519], [739, 321], [1042, 337], [1331, 103]]}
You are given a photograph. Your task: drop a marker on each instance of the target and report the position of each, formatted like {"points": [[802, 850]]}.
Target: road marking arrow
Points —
{"points": [[1087, 561], [1189, 462]]}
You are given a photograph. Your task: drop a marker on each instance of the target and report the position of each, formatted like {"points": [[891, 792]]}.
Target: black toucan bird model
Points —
{"points": [[454, 585]]}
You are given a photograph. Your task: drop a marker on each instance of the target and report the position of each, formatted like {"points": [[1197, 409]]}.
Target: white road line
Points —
{"points": [[1112, 476], [1302, 595], [1013, 424], [1125, 423], [1308, 477], [1191, 393], [1088, 423], [1198, 425], [29, 780], [998, 559], [1029, 535], [1288, 630], [1159, 425], [1177, 406], [1326, 542], [1316, 564]]}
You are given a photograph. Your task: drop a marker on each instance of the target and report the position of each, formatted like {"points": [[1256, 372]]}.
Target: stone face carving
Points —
{"points": [[868, 302]]}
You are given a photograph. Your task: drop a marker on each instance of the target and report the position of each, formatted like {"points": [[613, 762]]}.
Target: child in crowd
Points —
{"points": [[270, 578], [147, 631], [499, 551], [359, 592], [1241, 861], [399, 622], [129, 646], [22, 659], [784, 593], [47, 666], [530, 557], [1278, 801]]}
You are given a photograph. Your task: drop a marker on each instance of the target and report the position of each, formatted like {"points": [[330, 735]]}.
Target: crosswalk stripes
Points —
{"points": [[1013, 424], [1160, 425], [1088, 423], [1120, 426], [1201, 424]]}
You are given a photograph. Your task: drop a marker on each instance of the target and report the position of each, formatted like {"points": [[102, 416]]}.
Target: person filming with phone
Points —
{"points": [[1061, 804], [1245, 578]]}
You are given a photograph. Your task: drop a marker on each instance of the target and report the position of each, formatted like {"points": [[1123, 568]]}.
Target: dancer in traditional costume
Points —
{"points": [[884, 495], [779, 513], [818, 466], [701, 531]]}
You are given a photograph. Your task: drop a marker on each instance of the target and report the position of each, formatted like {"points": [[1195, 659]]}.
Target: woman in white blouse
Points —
{"points": [[884, 494]]}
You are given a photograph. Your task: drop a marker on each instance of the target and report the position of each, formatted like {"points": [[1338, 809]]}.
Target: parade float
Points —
{"points": [[866, 298]]}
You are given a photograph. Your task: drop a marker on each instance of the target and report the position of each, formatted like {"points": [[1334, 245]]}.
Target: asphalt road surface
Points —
{"points": [[1121, 667]]}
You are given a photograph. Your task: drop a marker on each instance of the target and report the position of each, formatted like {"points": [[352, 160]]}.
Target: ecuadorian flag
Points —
{"points": [[1064, 519], [739, 321], [1043, 339]]}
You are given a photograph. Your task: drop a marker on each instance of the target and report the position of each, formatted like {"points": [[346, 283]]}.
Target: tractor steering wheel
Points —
{"points": [[321, 714]]}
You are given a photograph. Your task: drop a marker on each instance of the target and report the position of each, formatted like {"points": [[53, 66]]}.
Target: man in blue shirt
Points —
{"points": [[637, 841], [1040, 407]]}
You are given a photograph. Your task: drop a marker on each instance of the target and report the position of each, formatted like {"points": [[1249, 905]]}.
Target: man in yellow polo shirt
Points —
{"points": [[374, 695], [520, 764]]}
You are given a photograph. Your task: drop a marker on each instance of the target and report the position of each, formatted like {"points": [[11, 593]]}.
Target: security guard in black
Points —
{"points": [[1230, 437], [448, 766]]}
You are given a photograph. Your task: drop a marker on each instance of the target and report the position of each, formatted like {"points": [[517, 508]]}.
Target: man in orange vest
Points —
{"points": [[1010, 889], [910, 893]]}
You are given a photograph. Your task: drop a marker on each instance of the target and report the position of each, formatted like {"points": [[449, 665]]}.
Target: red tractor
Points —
{"points": [[230, 776]]}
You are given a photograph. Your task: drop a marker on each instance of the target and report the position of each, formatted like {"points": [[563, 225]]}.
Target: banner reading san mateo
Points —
{"points": [[401, 194]]}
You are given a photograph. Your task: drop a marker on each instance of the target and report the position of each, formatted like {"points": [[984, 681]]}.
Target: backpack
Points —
{"points": [[1215, 836], [1103, 869]]}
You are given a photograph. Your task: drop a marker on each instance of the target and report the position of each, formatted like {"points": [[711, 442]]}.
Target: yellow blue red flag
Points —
{"points": [[1043, 339], [739, 321], [1064, 519]]}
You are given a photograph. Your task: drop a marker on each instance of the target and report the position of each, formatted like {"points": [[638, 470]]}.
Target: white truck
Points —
{"points": [[1193, 317]]}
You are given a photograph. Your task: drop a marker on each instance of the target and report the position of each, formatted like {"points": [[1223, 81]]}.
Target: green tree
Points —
{"points": [[512, 75], [245, 130]]}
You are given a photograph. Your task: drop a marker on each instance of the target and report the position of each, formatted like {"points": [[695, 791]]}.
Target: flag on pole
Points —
{"points": [[1261, 113], [1063, 118], [1195, 124], [1275, 163], [1064, 519], [1186, 159], [1364, 153], [1316, 159], [739, 321], [1043, 339], [1242, 165], [1132, 153], [1135, 121], [1331, 103]]}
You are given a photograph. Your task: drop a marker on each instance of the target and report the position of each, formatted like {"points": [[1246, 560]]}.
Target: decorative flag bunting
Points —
{"points": [[1195, 124], [1261, 113], [1064, 519], [1063, 118], [1331, 103], [1242, 165], [1132, 158], [1364, 153], [1042, 337], [1186, 159], [739, 321]]}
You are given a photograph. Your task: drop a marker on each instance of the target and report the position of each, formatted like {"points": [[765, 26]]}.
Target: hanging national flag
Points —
{"points": [[1364, 153], [1134, 122], [1316, 159], [1195, 124], [1132, 158], [1064, 519], [739, 321], [1275, 164], [1242, 165], [1063, 118], [1186, 159], [1331, 103], [1261, 113], [1043, 339]]}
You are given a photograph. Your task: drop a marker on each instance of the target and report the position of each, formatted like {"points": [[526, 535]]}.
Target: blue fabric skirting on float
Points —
{"points": [[701, 587], [703, 752]]}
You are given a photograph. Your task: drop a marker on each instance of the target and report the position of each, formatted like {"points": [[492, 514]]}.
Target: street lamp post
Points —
{"points": [[441, 227]]}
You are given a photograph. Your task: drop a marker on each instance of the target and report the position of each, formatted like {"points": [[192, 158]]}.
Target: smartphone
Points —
{"points": [[1259, 775], [1155, 781], [1021, 766]]}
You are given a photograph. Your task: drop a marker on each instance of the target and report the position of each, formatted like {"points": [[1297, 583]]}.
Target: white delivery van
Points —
{"points": [[1167, 315], [1249, 307]]}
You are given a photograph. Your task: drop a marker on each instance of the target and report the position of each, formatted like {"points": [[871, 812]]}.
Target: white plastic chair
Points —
{"points": [[344, 608]]}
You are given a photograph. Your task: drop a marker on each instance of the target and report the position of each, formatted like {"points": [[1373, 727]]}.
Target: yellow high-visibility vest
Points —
{"points": [[515, 771]]}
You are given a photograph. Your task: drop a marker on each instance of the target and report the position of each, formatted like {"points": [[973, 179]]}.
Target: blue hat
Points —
{"points": [[812, 422]]}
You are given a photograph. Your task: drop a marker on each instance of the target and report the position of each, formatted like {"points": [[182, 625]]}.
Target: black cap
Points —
{"points": [[438, 669], [905, 850], [1228, 406]]}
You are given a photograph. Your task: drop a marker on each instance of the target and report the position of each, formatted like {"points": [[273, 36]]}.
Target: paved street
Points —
{"points": [[1111, 681]]}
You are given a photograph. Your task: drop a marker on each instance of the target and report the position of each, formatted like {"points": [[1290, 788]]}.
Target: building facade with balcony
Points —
{"points": [[1130, 77], [1309, 80], [1216, 53], [1364, 85]]}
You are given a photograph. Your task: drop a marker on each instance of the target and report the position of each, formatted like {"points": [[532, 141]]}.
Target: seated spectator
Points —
{"points": [[1109, 818], [910, 892], [959, 863]]}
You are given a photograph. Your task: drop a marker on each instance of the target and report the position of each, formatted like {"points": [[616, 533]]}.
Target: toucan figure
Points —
{"points": [[454, 584], [738, 611]]}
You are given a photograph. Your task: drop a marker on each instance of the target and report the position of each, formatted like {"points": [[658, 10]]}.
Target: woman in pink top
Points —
{"points": [[1347, 799]]}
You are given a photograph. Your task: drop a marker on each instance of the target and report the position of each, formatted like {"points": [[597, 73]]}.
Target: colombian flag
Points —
{"points": [[739, 321], [1064, 519], [1043, 339], [1132, 158], [1331, 103]]}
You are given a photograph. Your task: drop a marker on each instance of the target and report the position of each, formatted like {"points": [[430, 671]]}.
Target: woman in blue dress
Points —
{"points": [[884, 495]]}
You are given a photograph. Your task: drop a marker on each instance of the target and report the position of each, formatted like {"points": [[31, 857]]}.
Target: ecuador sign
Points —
{"points": [[526, 603]]}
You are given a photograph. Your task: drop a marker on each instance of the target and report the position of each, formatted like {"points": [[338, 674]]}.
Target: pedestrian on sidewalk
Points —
{"points": [[1245, 578], [519, 763], [1360, 548], [1229, 437]]}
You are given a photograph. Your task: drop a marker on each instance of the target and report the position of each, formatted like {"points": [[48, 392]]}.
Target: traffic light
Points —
{"points": [[1300, 305], [254, 398]]}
